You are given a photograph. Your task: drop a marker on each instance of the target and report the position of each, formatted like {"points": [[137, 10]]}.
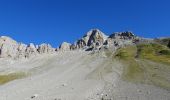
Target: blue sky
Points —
{"points": [[55, 21]]}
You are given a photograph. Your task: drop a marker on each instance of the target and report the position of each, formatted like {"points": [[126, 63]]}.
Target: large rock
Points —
{"points": [[45, 48], [65, 46], [120, 39], [21, 50], [8, 47], [31, 50], [93, 38], [122, 35]]}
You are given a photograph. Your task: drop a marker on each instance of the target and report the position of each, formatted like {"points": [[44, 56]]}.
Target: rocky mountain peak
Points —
{"points": [[95, 36], [123, 35], [45, 48], [13, 49], [65, 46], [92, 40], [93, 32], [6, 39]]}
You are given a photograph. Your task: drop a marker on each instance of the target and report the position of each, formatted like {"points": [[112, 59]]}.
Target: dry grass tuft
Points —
{"points": [[10, 77]]}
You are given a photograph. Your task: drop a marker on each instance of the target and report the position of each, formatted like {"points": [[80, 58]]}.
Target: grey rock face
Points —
{"points": [[30, 50], [8, 47], [94, 38], [73, 47], [65, 46], [121, 39], [122, 35], [11, 48], [45, 48], [21, 50]]}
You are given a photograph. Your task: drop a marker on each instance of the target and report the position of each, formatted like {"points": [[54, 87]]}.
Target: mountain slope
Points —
{"points": [[121, 66]]}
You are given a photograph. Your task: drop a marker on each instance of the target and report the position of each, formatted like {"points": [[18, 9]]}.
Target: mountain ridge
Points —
{"points": [[93, 40]]}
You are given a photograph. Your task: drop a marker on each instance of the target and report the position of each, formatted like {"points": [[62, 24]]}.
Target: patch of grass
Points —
{"points": [[154, 52], [126, 53], [149, 67], [132, 71], [10, 77]]}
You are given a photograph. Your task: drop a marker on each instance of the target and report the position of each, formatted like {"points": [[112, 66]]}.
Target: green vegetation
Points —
{"points": [[10, 77], [146, 63], [132, 72], [154, 52], [127, 53]]}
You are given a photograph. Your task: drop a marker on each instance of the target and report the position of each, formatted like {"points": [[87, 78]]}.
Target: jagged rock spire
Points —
{"points": [[45, 48], [65, 46], [92, 38]]}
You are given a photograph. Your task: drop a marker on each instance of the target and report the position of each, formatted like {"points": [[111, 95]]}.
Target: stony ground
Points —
{"points": [[74, 75]]}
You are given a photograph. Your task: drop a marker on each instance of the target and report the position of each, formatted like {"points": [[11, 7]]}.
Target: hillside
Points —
{"points": [[121, 66]]}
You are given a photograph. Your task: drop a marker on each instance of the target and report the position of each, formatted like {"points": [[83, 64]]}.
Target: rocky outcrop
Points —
{"points": [[31, 50], [45, 48], [11, 48], [65, 46], [120, 39], [8, 47], [93, 39], [21, 50], [123, 35]]}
